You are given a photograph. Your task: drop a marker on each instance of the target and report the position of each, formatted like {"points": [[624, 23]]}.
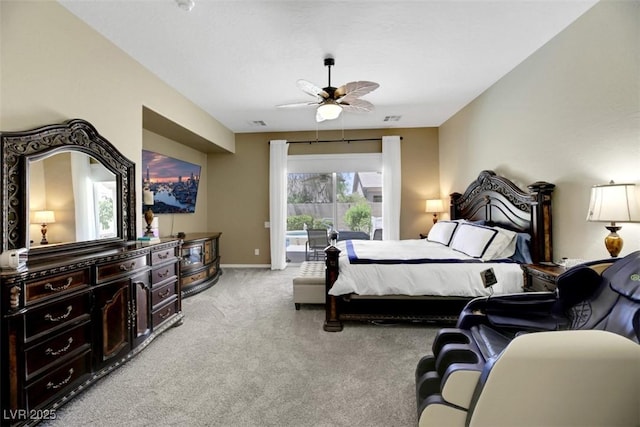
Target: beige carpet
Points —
{"points": [[245, 357]]}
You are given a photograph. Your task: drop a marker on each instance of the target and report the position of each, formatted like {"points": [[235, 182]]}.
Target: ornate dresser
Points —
{"points": [[77, 309]]}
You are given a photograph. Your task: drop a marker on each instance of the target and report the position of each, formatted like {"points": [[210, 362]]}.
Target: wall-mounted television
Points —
{"points": [[173, 182]]}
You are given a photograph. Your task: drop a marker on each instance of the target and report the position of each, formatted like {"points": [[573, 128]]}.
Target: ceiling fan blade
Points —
{"points": [[357, 105], [312, 89], [355, 89], [297, 104]]}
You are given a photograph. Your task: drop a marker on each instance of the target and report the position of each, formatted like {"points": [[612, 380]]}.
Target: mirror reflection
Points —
{"points": [[81, 195]]}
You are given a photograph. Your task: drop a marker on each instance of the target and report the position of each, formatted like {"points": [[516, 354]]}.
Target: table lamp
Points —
{"points": [[434, 206], [147, 199], [613, 203], [44, 218]]}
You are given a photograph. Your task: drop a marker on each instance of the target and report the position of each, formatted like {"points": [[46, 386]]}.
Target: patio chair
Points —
{"points": [[377, 234], [317, 242]]}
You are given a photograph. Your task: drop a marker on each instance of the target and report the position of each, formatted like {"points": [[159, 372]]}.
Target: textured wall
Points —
{"points": [[570, 115]]}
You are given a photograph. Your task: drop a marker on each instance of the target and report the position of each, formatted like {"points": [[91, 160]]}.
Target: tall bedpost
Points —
{"points": [[332, 322], [453, 203], [542, 244]]}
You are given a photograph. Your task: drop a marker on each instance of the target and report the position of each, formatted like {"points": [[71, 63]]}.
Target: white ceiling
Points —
{"points": [[238, 59]]}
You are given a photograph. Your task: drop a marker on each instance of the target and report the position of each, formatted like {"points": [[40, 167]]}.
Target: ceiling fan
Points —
{"points": [[332, 101]]}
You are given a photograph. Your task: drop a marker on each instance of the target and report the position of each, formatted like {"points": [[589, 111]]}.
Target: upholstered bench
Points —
{"points": [[309, 284]]}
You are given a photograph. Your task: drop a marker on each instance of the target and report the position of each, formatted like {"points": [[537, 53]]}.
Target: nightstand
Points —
{"points": [[540, 277]]}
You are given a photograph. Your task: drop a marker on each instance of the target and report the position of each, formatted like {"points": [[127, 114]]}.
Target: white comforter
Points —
{"points": [[431, 279]]}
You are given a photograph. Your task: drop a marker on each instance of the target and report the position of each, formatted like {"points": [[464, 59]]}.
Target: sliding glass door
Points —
{"points": [[347, 202]]}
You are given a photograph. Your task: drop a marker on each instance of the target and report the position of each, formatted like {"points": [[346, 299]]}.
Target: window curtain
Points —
{"points": [[391, 187], [83, 197], [278, 202]]}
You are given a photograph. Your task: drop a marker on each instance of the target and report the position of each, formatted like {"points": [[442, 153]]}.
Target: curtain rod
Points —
{"points": [[335, 140]]}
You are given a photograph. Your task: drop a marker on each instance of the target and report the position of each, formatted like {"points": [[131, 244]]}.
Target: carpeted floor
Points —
{"points": [[245, 357]]}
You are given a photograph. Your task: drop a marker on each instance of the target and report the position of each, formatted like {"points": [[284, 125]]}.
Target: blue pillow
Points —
{"points": [[522, 254]]}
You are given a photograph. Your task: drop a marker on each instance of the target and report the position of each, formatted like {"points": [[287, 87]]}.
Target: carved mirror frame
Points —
{"points": [[19, 148]]}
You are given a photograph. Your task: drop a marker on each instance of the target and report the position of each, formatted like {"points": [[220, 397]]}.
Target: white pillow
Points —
{"points": [[442, 231], [473, 240], [484, 242], [503, 246]]}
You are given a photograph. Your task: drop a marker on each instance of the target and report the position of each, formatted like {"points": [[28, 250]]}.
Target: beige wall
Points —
{"points": [[239, 184], [570, 115], [54, 67]]}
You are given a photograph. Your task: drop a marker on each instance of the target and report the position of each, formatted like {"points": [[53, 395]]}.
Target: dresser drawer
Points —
{"points": [[165, 313], [59, 380], [115, 269], [163, 293], [189, 279], [57, 349], [162, 255], [54, 285], [56, 315], [163, 272]]}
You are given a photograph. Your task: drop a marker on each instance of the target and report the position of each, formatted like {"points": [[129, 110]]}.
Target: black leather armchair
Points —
{"points": [[579, 340]]}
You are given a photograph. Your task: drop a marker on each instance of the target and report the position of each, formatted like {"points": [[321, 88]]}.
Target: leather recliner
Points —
{"points": [[544, 358]]}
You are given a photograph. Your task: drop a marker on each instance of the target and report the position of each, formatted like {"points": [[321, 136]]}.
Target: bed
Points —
{"points": [[494, 227]]}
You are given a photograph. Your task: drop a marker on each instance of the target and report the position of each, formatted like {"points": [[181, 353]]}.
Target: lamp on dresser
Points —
{"points": [[613, 203], [147, 199], [434, 206], [44, 218]]}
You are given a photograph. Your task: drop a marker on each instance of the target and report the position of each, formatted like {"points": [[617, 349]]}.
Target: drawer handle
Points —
{"points": [[164, 316], [164, 255], [51, 385], [50, 318], [165, 274], [50, 287], [164, 294], [124, 267], [52, 352]]}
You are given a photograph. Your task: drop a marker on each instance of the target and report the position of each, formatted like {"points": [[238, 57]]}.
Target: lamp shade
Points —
{"points": [[328, 111], [434, 205], [44, 217], [614, 203], [147, 196]]}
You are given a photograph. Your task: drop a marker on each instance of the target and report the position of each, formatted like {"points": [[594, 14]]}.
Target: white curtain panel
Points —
{"points": [[391, 187], [83, 196], [278, 202]]}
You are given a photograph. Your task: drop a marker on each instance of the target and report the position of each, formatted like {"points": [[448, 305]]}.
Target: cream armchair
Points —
{"points": [[561, 378]]}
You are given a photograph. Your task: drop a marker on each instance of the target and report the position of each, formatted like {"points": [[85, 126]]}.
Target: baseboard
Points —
{"points": [[223, 266]]}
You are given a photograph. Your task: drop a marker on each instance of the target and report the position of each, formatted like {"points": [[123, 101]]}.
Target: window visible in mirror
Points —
{"points": [[82, 193]]}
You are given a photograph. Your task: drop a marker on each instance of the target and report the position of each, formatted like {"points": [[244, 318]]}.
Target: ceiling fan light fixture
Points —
{"points": [[329, 110], [186, 4]]}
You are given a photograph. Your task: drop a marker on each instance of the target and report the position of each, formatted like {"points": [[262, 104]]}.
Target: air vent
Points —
{"points": [[258, 123], [392, 118]]}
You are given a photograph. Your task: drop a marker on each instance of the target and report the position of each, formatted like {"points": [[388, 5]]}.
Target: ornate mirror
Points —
{"points": [[65, 187]]}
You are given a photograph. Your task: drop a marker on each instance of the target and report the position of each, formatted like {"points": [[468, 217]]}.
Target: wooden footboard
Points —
{"points": [[390, 308]]}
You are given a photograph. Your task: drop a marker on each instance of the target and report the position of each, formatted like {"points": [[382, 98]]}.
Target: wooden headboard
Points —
{"points": [[498, 201]]}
